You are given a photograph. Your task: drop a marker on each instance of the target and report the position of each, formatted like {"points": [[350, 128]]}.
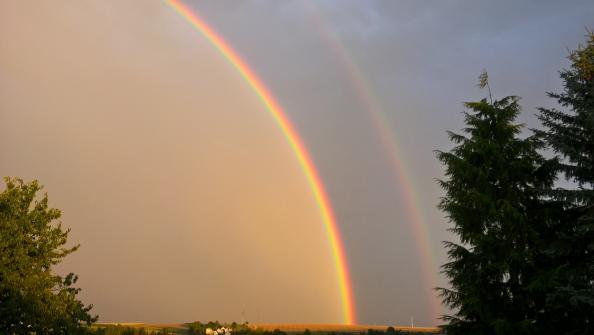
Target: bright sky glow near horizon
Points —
{"points": [[185, 194]]}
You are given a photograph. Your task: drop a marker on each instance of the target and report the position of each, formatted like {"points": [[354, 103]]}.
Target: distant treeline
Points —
{"points": [[245, 329], [237, 329], [127, 330], [198, 327]]}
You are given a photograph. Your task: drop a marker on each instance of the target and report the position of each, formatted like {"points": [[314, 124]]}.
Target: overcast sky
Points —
{"points": [[186, 199]]}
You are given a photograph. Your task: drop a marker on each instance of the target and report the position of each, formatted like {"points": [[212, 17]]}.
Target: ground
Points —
{"points": [[322, 329]]}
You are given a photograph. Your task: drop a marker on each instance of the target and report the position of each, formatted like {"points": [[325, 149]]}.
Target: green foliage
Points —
{"points": [[392, 331], [565, 282], [127, 330], [484, 83], [483, 80], [571, 133], [198, 327], [494, 183], [389, 331], [525, 261], [375, 332], [119, 330], [32, 299]]}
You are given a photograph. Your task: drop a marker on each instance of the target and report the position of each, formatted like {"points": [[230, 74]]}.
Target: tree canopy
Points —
{"points": [[492, 187], [524, 263], [566, 268], [32, 298]]}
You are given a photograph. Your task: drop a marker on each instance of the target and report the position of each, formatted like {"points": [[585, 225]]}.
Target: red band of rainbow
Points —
{"points": [[294, 142], [404, 178]]}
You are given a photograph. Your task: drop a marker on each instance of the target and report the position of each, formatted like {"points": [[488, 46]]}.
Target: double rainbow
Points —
{"points": [[294, 142], [372, 105]]}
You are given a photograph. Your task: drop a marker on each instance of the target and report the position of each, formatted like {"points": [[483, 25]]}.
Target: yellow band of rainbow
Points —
{"points": [[296, 145]]}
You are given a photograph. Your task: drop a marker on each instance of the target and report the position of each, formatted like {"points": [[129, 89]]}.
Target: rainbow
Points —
{"points": [[389, 142], [294, 141]]}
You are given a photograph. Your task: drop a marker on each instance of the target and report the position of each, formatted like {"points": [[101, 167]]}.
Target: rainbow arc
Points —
{"points": [[389, 141], [294, 141]]}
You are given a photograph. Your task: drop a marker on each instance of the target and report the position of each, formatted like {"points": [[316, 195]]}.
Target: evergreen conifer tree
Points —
{"points": [[571, 133], [566, 264], [493, 186]]}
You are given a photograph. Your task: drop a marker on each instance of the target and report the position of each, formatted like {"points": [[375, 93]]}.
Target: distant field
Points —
{"points": [[290, 327], [147, 326], [314, 327]]}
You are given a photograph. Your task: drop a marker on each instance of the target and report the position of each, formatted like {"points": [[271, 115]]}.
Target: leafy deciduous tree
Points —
{"points": [[32, 299]]}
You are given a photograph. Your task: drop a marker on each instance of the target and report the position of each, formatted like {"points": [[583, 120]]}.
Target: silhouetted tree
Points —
{"points": [[32, 299], [571, 133], [565, 283], [494, 182]]}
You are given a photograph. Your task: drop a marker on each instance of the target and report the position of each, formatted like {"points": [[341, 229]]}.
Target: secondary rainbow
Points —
{"points": [[294, 142], [403, 175]]}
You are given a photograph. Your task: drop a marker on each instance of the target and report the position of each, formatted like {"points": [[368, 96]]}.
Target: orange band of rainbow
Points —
{"points": [[295, 143], [387, 136]]}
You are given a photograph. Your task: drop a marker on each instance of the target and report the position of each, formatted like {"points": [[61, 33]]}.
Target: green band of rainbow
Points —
{"points": [[295, 143], [372, 105]]}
